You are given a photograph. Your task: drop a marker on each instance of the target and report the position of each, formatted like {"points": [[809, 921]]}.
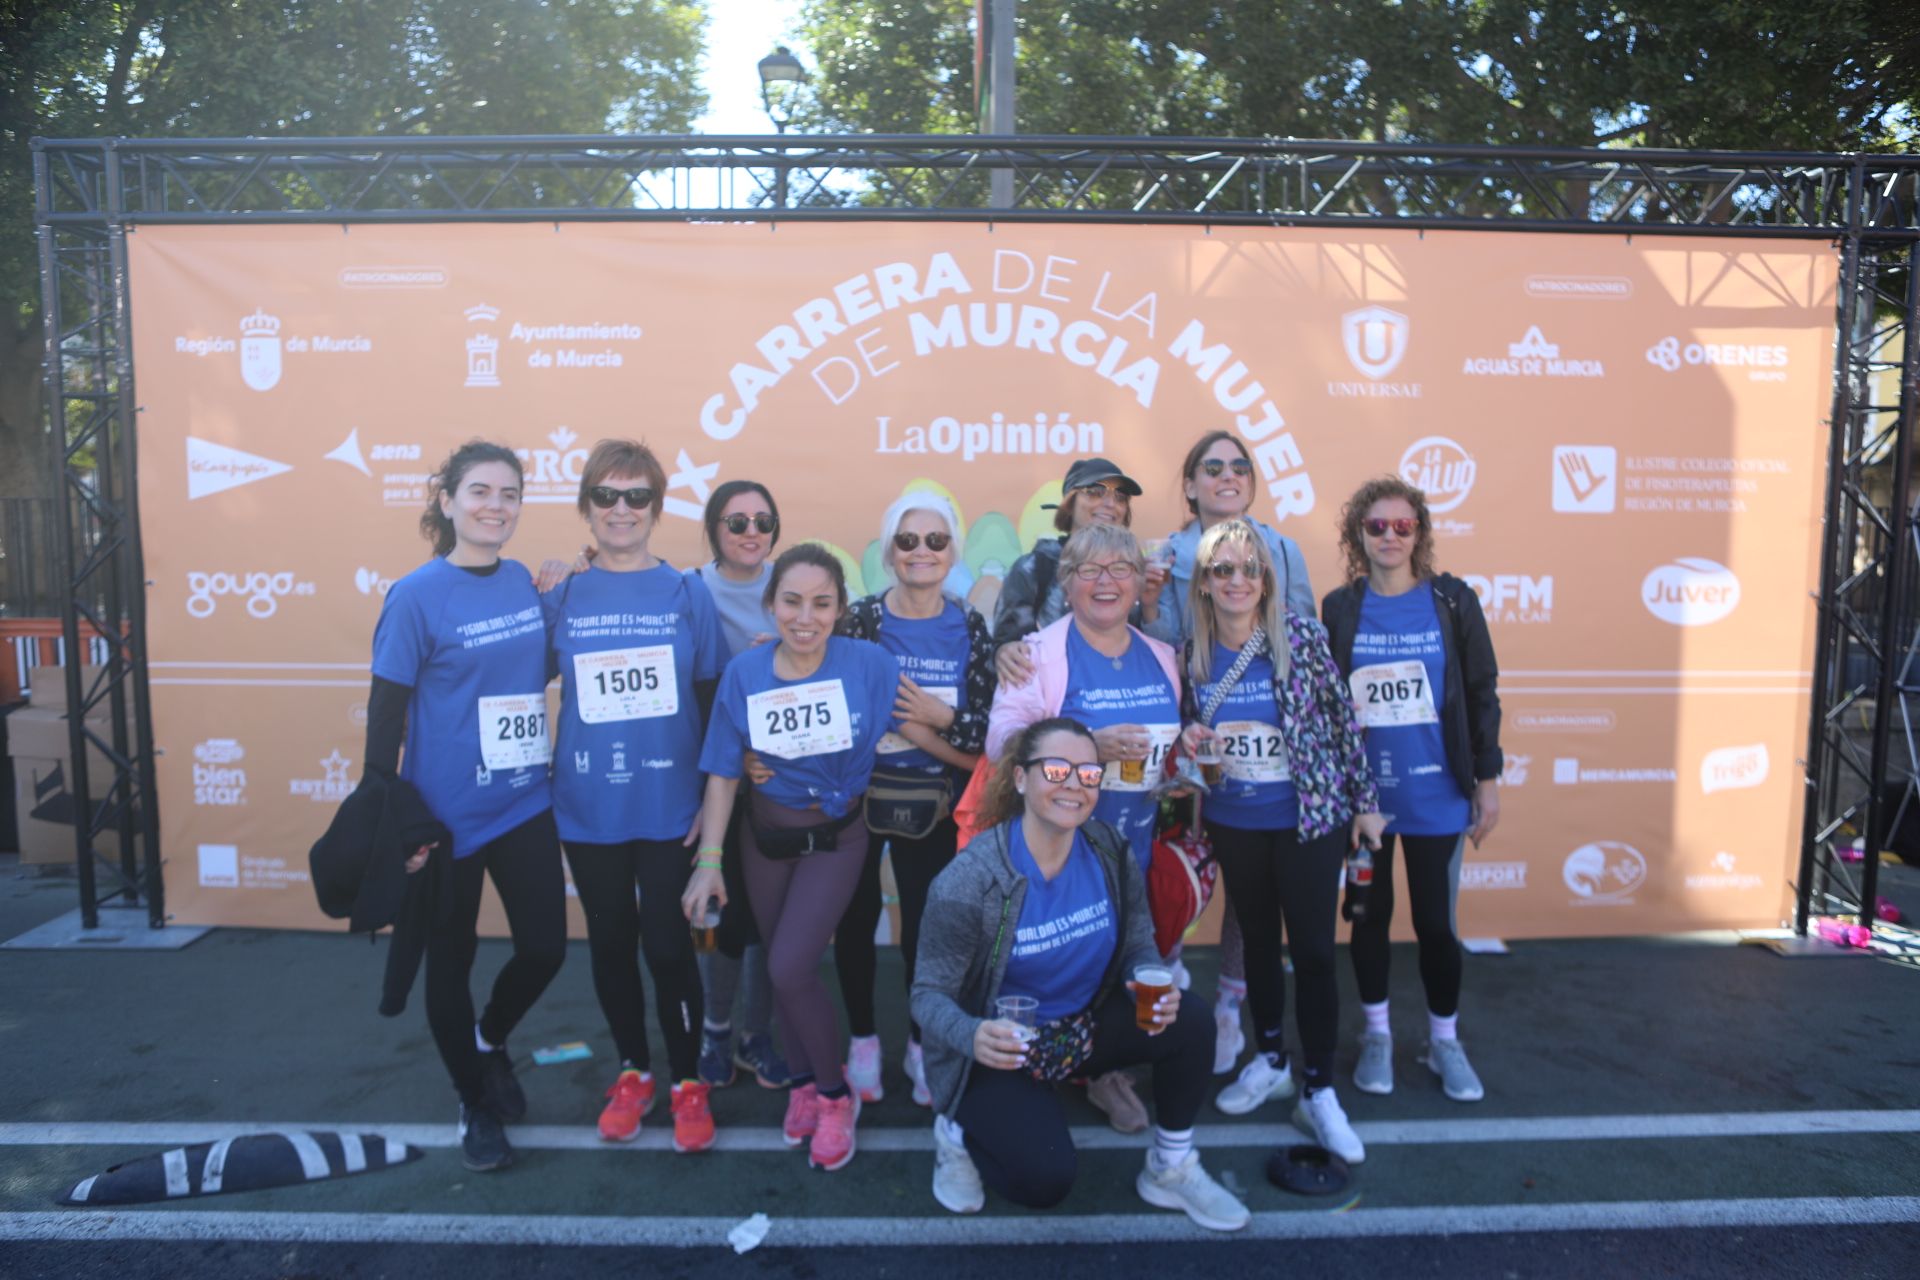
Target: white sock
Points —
{"points": [[872, 1039], [1439, 1028], [1170, 1146], [950, 1131], [1377, 1023], [1230, 993], [480, 1041]]}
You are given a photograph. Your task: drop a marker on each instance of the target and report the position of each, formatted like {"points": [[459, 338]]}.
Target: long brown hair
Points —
{"points": [[1004, 801], [1198, 453], [435, 527], [1351, 539]]}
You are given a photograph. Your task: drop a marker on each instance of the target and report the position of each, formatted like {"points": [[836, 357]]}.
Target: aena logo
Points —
{"points": [[1734, 768], [1441, 469], [1375, 338], [1690, 592], [1604, 871]]}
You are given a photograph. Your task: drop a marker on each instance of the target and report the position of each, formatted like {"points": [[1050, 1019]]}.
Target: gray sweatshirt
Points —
{"points": [[966, 937]]}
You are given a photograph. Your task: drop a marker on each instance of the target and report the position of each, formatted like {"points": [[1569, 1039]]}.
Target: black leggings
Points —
{"points": [[1433, 885], [525, 866], [1275, 876], [1016, 1129], [618, 929], [915, 864]]}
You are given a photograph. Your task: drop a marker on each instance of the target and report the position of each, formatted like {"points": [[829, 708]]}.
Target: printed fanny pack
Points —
{"points": [[1061, 1047], [907, 803]]}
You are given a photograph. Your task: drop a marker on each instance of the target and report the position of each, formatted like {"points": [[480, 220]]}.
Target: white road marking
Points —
{"points": [[988, 1229]]}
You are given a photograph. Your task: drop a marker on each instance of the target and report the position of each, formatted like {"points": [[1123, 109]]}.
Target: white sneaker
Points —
{"points": [[915, 1065], [1188, 1188], [1260, 1081], [956, 1183], [863, 1068], [1228, 1039], [1321, 1119]]}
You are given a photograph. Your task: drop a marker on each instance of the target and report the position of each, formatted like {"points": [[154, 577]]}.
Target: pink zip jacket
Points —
{"points": [[1042, 697]]}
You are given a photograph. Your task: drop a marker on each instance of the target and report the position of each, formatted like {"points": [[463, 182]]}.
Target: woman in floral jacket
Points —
{"points": [[1293, 795]]}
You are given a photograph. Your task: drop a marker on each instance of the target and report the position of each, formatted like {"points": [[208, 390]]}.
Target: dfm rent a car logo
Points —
{"points": [[262, 591], [1734, 768], [1513, 597], [1605, 871], [1690, 592], [1440, 468]]}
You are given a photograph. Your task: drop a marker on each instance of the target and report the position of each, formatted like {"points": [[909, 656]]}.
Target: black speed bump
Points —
{"points": [[251, 1162]]}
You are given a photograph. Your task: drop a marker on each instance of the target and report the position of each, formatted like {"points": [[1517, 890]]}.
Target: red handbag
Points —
{"points": [[1180, 880]]}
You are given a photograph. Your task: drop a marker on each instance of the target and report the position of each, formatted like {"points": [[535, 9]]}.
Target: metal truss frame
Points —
{"points": [[90, 191]]}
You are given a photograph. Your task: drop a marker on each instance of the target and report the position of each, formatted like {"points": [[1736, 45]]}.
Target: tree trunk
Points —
{"points": [[27, 454]]}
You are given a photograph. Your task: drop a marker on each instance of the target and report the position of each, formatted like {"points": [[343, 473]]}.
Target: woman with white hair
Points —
{"points": [[939, 727]]}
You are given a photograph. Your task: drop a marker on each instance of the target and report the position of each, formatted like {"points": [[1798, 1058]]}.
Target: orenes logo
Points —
{"points": [[1514, 772], [1585, 478], [1375, 338], [1690, 592], [1605, 871], [263, 591], [483, 349], [260, 351], [215, 468], [1440, 468], [1734, 768], [1666, 354], [369, 582]]}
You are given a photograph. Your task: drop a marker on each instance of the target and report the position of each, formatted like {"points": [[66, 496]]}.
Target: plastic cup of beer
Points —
{"points": [[1133, 772], [1213, 763], [1022, 1011], [1150, 982], [1158, 552], [706, 927]]}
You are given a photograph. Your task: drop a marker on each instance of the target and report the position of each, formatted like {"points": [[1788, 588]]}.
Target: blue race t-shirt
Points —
{"points": [[1130, 689], [1067, 930], [473, 649], [628, 648], [1398, 682], [1257, 793], [932, 652], [817, 735]]}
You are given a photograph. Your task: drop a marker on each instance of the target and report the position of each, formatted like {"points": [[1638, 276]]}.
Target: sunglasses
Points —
{"points": [[1214, 466], [604, 496], [1057, 771], [936, 541], [1119, 572], [1223, 571], [1101, 492], [761, 521], [1378, 528]]}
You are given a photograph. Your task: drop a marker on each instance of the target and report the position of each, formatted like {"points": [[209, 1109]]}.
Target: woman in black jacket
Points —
{"points": [[1416, 653]]}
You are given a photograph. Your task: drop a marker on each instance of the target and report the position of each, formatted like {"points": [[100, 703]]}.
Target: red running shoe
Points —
{"points": [[833, 1136], [803, 1114], [692, 1121], [632, 1098]]}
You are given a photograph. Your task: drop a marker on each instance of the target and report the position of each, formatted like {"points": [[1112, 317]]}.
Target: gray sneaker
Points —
{"points": [[1188, 1188], [1374, 1072], [1448, 1060]]}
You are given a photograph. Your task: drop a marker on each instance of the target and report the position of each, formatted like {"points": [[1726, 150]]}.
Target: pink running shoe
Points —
{"points": [[833, 1138], [803, 1114]]}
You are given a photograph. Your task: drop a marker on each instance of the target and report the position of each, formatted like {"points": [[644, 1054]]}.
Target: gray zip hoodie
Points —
{"points": [[966, 937]]}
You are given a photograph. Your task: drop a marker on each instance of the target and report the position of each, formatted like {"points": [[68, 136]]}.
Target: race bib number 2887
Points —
{"points": [[513, 731]]}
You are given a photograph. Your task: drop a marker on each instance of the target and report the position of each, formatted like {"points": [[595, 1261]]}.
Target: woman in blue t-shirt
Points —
{"points": [[938, 730], [1048, 910], [801, 718], [1415, 647], [460, 671], [1293, 789], [638, 648]]}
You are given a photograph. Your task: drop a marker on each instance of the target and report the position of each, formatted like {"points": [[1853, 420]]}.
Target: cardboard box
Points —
{"points": [[47, 688], [45, 810], [39, 734]]}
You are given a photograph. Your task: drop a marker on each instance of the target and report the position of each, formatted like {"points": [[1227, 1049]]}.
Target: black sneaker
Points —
{"points": [[503, 1093], [483, 1140]]}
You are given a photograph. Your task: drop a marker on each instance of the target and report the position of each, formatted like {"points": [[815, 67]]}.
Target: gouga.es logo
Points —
{"points": [[1440, 468], [1690, 592], [262, 591], [1605, 871]]}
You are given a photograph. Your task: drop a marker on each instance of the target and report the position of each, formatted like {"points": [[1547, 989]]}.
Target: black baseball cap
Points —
{"points": [[1086, 471]]}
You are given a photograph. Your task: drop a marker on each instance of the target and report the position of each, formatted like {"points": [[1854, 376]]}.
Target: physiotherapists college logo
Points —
{"points": [[1586, 478], [260, 351], [1690, 592], [1605, 872]]}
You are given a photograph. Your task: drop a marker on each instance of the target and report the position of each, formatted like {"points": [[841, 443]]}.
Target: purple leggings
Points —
{"points": [[797, 904]]}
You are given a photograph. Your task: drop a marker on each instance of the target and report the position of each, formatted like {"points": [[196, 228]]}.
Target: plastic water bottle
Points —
{"points": [[1359, 879]]}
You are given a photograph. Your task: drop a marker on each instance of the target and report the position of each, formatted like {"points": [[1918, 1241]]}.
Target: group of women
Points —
{"points": [[856, 725]]}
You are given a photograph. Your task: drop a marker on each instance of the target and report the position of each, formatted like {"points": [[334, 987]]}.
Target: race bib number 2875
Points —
{"points": [[800, 720]]}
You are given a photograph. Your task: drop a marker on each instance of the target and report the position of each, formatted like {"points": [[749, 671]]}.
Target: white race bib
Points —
{"points": [[513, 731], [893, 744], [1253, 751], [1393, 693], [800, 720], [1163, 737], [625, 684]]}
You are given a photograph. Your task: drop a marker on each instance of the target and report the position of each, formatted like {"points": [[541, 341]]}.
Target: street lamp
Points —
{"points": [[781, 76]]}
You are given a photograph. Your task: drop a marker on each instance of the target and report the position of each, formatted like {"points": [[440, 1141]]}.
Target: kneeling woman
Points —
{"points": [[809, 711], [1046, 906]]}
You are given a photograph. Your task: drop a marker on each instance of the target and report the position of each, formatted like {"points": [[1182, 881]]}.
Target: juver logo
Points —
{"points": [[1605, 871], [260, 351], [1375, 338], [1690, 592], [1442, 469], [1734, 768]]}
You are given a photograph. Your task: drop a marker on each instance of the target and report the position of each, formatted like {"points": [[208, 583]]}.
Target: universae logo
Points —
{"points": [[1690, 592], [1375, 339]]}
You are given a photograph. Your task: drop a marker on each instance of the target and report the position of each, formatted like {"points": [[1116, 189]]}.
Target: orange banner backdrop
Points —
{"points": [[1622, 442]]}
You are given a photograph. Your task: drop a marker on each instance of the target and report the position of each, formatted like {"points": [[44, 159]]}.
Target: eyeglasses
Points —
{"points": [[936, 541], [1214, 466], [1378, 528], [604, 496], [1101, 492], [1057, 770], [761, 521], [1223, 570], [1120, 571]]}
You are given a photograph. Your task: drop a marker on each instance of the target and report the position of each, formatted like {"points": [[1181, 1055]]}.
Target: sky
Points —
{"points": [[739, 34]]}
